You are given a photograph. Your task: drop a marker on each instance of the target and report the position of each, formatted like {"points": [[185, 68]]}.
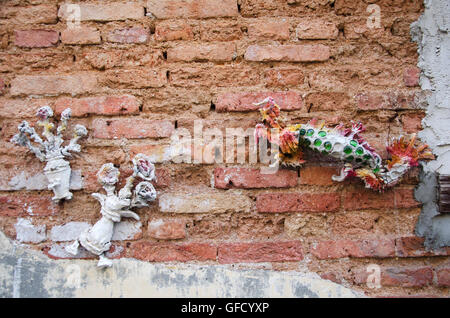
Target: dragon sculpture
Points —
{"points": [[345, 144]]}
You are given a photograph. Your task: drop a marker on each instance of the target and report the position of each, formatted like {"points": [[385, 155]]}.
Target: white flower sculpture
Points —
{"points": [[97, 239], [57, 169]]}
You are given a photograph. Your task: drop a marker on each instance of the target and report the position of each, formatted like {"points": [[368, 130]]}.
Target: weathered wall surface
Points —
{"points": [[134, 72], [431, 33]]}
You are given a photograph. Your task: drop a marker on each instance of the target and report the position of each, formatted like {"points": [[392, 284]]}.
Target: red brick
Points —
{"points": [[413, 246], [115, 11], [367, 199], [192, 8], [443, 277], [244, 101], [81, 35], [137, 78], [73, 84], [133, 128], [260, 252], [101, 105], [222, 52], [283, 76], [246, 178], [167, 229], [288, 53], [412, 123], [297, 202], [165, 252], [316, 175], [35, 38], [316, 29], [269, 29], [411, 76], [404, 198], [400, 277], [378, 248], [173, 31], [129, 35], [27, 205], [387, 100]]}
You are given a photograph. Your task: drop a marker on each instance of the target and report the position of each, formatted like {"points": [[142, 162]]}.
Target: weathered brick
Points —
{"points": [[283, 76], [412, 123], [244, 101], [167, 229], [411, 76], [316, 29], [317, 175], [192, 8], [400, 276], [68, 232], [327, 101], [73, 84], [157, 153], [132, 128], [246, 178], [297, 202], [443, 277], [35, 38], [103, 12], [378, 248], [101, 105], [388, 100], [129, 35], [81, 35], [413, 246], [173, 31], [215, 202], [2, 86], [288, 53], [20, 108], [217, 75], [29, 233], [404, 198], [35, 14], [101, 59], [170, 252], [137, 78], [269, 29], [256, 252], [221, 52], [27, 205]]}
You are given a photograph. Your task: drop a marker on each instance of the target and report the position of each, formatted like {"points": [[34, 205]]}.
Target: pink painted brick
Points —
{"points": [[35, 38], [288, 53], [242, 102]]}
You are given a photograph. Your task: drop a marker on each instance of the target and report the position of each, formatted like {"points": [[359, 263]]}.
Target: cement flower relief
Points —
{"points": [[51, 150], [345, 144], [115, 206]]}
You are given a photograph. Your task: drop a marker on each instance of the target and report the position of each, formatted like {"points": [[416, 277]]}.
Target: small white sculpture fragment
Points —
{"points": [[57, 169], [97, 239]]}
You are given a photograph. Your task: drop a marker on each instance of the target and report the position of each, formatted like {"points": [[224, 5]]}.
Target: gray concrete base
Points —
{"points": [[26, 273]]}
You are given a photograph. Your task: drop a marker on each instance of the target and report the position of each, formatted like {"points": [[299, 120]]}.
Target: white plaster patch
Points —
{"points": [[126, 230], [68, 232], [29, 233]]}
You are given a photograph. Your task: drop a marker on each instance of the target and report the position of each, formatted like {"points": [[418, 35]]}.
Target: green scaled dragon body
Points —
{"points": [[345, 144]]}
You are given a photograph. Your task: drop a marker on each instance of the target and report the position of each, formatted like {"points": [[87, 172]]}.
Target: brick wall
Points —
{"points": [[133, 72]]}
